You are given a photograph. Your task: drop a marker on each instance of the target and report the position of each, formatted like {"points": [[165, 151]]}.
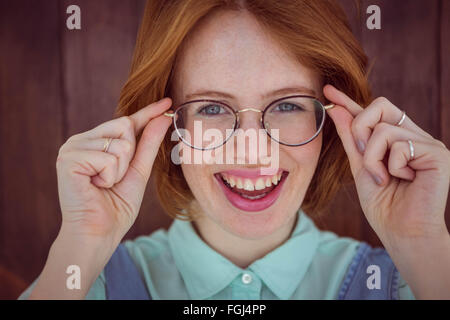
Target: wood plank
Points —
{"points": [[406, 71], [55, 83], [96, 65], [96, 61], [445, 83], [30, 132], [406, 67], [405, 54]]}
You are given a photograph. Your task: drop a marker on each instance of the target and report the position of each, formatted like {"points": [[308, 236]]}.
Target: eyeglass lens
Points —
{"points": [[208, 124]]}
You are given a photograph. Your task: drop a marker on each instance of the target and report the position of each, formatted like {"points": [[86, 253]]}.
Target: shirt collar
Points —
{"points": [[283, 268], [206, 272]]}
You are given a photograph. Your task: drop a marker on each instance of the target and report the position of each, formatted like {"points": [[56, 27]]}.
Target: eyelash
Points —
{"points": [[296, 107], [202, 109]]}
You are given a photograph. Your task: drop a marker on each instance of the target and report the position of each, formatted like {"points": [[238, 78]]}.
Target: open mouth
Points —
{"points": [[250, 192]]}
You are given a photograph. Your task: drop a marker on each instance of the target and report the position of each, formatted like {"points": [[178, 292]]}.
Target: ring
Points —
{"points": [[402, 119], [411, 150], [106, 145]]}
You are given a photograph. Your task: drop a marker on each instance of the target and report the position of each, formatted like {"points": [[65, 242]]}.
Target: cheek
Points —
{"points": [[307, 156], [193, 175], [199, 179]]}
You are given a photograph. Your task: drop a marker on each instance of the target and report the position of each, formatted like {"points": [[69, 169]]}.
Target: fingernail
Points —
{"points": [[377, 179], [361, 146]]}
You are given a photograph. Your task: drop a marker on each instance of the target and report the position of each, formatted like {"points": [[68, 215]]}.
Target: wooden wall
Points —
{"points": [[55, 82]]}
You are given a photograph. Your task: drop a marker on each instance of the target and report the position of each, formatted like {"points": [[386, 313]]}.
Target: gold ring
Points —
{"points": [[411, 150], [107, 144], [402, 119]]}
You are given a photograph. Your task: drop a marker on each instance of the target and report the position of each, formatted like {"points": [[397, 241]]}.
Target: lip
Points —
{"points": [[247, 204]]}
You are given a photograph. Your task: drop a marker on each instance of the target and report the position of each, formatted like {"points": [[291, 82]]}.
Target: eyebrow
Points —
{"points": [[282, 91]]}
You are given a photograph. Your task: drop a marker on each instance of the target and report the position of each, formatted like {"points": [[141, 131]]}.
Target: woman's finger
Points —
{"points": [[121, 148], [339, 98], [146, 151], [143, 116], [380, 110], [399, 156], [127, 127], [365, 119], [381, 140], [87, 166], [342, 119], [427, 156]]}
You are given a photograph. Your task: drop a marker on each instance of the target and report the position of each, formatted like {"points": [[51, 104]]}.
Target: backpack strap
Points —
{"points": [[369, 263], [123, 281]]}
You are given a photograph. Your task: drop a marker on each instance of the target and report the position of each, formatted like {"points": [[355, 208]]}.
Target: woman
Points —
{"points": [[249, 236]]}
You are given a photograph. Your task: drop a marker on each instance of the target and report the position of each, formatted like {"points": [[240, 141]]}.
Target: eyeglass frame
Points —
{"points": [[263, 113]]}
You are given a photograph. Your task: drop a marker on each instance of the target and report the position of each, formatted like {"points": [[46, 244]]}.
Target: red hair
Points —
{"points": [[316, 32]]}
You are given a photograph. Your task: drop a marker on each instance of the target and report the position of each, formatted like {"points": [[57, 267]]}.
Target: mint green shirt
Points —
{"points": [[178, 264]]}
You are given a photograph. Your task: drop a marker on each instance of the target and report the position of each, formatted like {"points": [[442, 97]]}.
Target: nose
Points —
{"points": [[250, 148], [246, 122]]}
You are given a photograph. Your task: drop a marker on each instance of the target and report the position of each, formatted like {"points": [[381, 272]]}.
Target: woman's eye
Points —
{"points": [[212, 110], [287, 107]]}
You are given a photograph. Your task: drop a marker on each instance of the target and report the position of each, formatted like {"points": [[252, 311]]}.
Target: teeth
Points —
{"points": [[248, 185], [254, 197], [275, 180], [239, 184], [259, 185]]}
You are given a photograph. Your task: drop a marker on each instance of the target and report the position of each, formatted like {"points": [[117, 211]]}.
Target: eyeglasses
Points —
{"points": [[298, 119]]}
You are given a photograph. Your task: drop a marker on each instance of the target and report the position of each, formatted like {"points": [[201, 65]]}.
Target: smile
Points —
{"points": [[249, 191]]}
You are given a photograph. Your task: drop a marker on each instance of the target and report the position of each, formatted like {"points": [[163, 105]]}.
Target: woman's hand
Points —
{"points": [[399, 196], [100, 195], [403, 199], [100, 192]]}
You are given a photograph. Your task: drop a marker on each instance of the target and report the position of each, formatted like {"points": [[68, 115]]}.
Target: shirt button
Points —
{"points": [[246, 278]]}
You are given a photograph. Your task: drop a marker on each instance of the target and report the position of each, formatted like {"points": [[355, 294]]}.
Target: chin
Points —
{"points": [[254, 226]]}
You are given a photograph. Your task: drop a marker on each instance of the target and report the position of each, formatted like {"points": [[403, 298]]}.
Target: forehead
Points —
{"points": [[229, 51]]}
